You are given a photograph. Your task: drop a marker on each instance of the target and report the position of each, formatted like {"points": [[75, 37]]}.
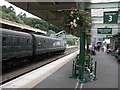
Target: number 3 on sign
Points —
{"points": [[110, 18]]}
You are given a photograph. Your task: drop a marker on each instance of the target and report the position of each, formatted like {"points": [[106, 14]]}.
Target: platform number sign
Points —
{"points": [[111, 17]]}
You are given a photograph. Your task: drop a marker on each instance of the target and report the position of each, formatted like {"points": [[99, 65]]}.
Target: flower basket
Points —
{"points": [[76, 21]]}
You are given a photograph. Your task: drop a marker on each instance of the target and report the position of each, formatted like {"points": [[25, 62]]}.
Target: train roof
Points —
{"points": [[46, 37], [5, 31], [24, 34], [11, 24]]}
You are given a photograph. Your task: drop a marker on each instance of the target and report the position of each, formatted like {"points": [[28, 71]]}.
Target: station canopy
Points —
{"points": [[51, 12]]}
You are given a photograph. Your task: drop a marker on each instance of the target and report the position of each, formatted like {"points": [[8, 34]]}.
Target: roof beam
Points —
{"points": [[103, 5], [56, 7]]}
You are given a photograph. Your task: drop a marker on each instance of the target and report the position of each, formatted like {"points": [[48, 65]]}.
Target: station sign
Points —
{"points": [[104, 30], [104, 38], [109, 36], [110, 17]]}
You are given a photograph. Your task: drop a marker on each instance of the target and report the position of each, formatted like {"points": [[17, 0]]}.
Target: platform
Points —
{"points": [[107, 72], [107, 75], [59, 79]]}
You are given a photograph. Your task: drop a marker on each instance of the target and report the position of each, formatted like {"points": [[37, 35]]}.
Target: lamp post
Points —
{"points": [[82, 56]]}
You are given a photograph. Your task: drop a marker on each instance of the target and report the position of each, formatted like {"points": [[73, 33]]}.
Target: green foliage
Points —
{"points": [[36, 23], [7, 10], [52, 27], [9, 14], [70, 42], [50, 32], [15, 18], [40, 24], [22, 15], [76, 21], [6, 16]]}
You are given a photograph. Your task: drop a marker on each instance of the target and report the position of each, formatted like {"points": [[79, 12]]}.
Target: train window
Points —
{"points": [[18, 41], [23, 41], [44, 41], [39, 43], [8, 41], [11, 41], [28, 41], [42, 44], [14, 41], [4, 41]]}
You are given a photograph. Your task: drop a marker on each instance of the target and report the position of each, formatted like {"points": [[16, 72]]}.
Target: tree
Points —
{"points": [[70, 42], [11, 9], [9, 14], [22, 15], [8, 10], [54, 28], [36, 23], [50, 32], [7, 17]]}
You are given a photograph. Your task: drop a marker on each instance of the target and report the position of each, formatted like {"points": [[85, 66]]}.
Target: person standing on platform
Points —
{"points": [[95, 48], [98, 47], [91, 47]]}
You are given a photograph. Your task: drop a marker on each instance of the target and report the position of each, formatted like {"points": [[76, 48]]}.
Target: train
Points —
{"points": [[16, 45]]}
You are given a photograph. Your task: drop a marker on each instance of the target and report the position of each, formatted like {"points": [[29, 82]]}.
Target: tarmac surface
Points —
{"points": [[107, 72], [107, 75], [59, 79]]}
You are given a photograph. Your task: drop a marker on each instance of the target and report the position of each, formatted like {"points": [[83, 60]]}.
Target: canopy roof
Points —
{"points": [[49, 11]]}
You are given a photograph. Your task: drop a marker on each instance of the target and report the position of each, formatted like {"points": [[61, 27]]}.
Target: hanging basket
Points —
{"points": [[76, 21]]}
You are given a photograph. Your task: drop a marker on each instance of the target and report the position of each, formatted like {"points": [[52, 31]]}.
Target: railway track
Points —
{"points": [[12, 74]]}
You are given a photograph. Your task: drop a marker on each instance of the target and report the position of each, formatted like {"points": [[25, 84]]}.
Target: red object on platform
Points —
{"points": [[72, 8], [102, 49]]}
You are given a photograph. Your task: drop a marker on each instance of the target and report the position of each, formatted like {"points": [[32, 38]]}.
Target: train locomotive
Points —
{"points": [[16, 45]]}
